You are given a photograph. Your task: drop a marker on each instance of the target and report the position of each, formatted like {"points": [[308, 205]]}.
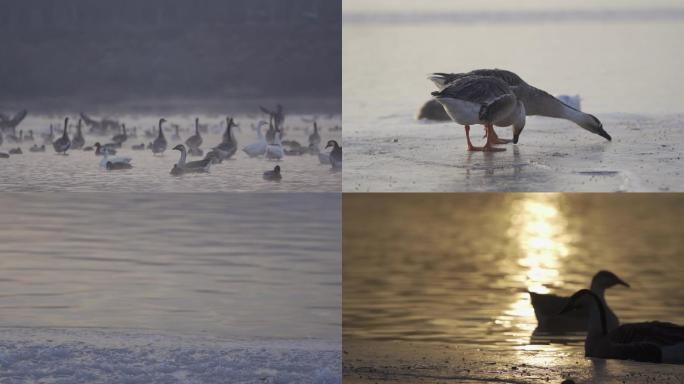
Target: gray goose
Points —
{"points": [[484, 100], [62, 144]]}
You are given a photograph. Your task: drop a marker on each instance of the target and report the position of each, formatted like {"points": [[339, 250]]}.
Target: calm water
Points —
{"points": [[80, 171], [456, 268], [624, 62], [231, 265]]}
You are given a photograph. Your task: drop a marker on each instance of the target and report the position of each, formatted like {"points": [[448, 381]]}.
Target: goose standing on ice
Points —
{"points": [[547, 306], [275, 151], [195, 140], [335, 155], [483, 100], [653, 342], [78, 142], [159, 144], [258, 147], [115, 163], [274, 174], [62, 144], [536, 101], [182, 167]]}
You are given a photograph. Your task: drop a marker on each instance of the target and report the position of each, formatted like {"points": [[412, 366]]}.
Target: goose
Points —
{"points": [[7, 123], [108, 148], [335, 155], [654, 342], [274, 174], [16, 151], [121, 137], [78, 142], [159, 144], [181, 167], [1, 139], [482, 100], [258, 147], [195, 140], [49, 137], [314, 138], [63, 144], [138, 147], [115, 163], [176, 132], [537, 102], [547, 306], [270, 133], [36, 148], [275, 151], [4, 155], [195, 151], [228, 145], [293, 148]]}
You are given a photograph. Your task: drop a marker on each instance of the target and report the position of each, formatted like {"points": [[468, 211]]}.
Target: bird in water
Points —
{"points": [[16, 151], [275, 151], [115, 163], [62, 144], [653, 342], [182, 167], [258, 147], [109, 148], [159, 144], [483, 100], [138, 147], [274, 174], [37, 148], [547, 306], [335, 155], [536, 101], [78, 142], [195, 140], [228, 146], [314, 138]]}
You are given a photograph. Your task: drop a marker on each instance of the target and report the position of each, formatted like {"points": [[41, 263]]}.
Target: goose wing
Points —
{"points": [[509, 77], [476, 89], [655, 332]]}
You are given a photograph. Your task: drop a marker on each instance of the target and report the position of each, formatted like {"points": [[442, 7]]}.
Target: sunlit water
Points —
{"points": [[456, 268], [223, 265], [80, 170], [624, 64]]}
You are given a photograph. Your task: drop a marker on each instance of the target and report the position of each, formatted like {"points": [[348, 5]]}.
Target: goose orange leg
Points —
{"points": [[489, 146]]}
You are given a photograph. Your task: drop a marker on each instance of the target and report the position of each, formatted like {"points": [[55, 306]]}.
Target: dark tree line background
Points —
{"points": [[74, 52]]}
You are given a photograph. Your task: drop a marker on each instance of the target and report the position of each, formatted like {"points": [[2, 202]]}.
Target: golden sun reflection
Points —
{"points": [[540, 229]]}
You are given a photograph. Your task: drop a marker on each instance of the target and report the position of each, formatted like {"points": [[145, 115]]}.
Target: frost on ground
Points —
{"points": [[401, 154], [413, 363], [104, 356]]}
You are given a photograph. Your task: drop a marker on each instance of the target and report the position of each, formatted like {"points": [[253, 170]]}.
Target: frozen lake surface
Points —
{"points": [[635, 90], [80, 170]]}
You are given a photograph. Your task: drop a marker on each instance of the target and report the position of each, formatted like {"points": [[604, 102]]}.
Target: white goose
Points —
{"points": [[654, 342], [275, 151], [483, 100], [258, 147]]}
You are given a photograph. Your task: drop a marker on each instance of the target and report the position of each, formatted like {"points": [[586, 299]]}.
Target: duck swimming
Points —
{"points": [[115, 163], [653, 342], [182, 167], [274, 174], [335, 155], [62, 144], [484, 100], [547, 306]]}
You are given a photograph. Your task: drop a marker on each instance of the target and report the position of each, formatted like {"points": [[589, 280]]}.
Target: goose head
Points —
{"points": [[606, 279], [179, 147], [332, 143], [593, 125], [519, 123]]}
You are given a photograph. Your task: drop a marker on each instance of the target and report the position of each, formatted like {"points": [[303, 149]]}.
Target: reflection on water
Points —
{"points": [[457, 268], [236, 265]]}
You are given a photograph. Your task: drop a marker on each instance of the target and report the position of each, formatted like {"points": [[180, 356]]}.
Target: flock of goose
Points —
{"points": [[586, 309], [269, 145], [496, 97]]}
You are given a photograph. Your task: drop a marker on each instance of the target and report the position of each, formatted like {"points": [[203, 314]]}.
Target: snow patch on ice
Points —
{"points": [[112, 356]]}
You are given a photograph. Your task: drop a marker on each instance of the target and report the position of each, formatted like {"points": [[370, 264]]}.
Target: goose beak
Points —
{"points": [[604, 134], [515, 138], [620, 282]]}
